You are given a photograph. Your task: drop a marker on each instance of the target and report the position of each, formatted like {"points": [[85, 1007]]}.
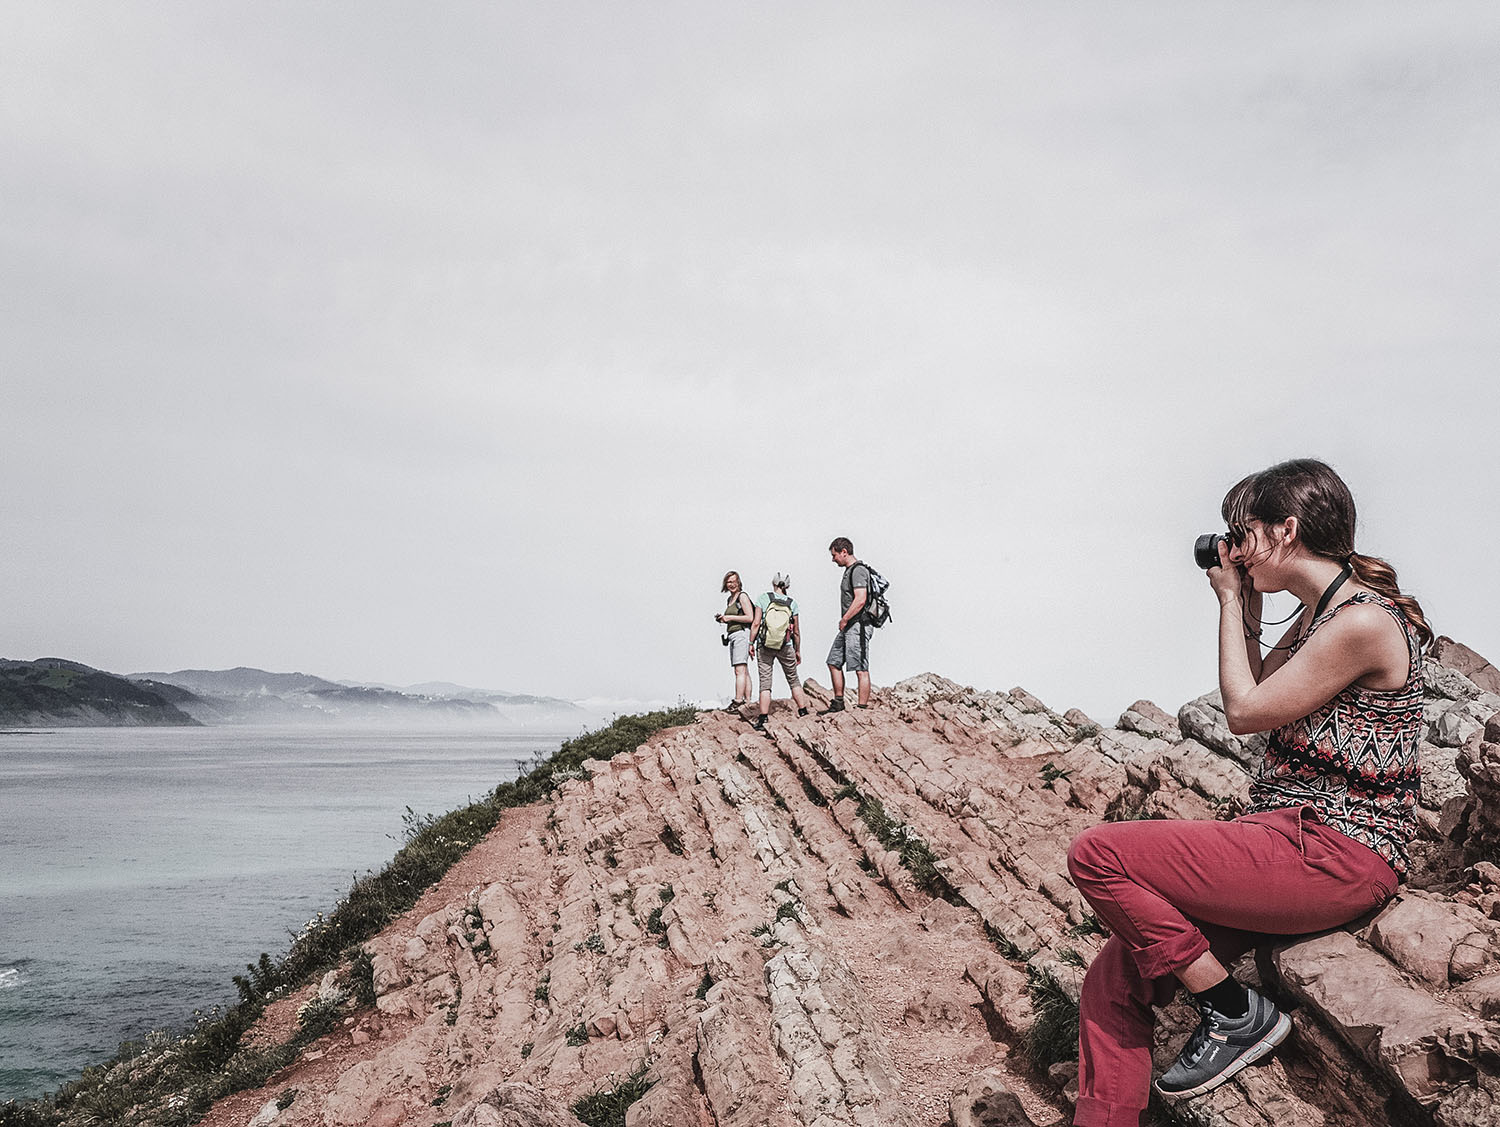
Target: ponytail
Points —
{"points": [[1380, 577]]}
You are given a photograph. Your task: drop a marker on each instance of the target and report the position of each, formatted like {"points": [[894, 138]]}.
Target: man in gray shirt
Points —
{"points": [[851, 646]]}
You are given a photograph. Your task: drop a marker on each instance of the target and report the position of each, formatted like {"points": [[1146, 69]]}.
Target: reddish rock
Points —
{"points": [[1456, 655], [834, 924]]}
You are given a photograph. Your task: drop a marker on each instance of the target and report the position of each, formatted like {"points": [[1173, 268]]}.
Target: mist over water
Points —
{"points": [[145, 867]]}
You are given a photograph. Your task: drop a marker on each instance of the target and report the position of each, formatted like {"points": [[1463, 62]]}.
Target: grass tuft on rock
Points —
{"points": [[607, 1107], [1054, 1036]]}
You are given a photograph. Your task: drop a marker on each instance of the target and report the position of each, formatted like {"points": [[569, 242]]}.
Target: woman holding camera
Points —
{"points": [[1331, 812], [736, 618]]}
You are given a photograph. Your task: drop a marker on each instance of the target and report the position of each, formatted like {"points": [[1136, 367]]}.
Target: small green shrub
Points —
{"points": [[1006, 946], [362, 979], [1051, 773], [607, 1107], [1054, 1036], [704, 986], [315, 1018], [916, 855], [578, 1035], [1089, 926]]}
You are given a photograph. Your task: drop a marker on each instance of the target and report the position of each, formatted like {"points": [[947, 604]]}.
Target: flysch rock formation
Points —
{"points": [[856, 920]]}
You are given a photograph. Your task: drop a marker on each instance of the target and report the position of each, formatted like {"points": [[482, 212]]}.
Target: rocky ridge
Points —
{"points": [[865, 919]]}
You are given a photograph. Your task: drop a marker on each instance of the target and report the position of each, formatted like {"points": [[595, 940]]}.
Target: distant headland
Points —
{"points": [[56, 693]]}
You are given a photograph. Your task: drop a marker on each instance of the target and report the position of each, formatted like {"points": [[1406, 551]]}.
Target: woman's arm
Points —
{"points": [[1358, 641]]}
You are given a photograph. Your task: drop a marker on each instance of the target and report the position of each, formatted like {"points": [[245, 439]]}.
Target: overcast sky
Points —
{"points": [[474, 342]]}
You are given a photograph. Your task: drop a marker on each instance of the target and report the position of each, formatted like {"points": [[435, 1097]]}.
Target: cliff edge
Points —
{"points": [[865, 919]]}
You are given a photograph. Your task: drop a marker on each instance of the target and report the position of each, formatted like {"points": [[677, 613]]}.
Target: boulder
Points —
{"points": [[986, 1101], [1424, 1045], [1203, 720], [514, 1105], [1457, 656], [1150, 721], [1435, 939]]}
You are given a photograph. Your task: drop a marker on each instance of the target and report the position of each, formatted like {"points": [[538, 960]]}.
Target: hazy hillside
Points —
{"points": [[255, 696], [54, 693]]}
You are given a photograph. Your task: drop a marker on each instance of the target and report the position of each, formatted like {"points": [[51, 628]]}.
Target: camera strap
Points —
{"points": [[1330, 589], [1328, 593]]}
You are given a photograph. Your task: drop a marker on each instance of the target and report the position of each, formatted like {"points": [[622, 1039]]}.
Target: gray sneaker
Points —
{"points": [[1221, 1046]]}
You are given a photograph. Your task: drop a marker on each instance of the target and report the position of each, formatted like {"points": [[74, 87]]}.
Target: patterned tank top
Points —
{"points": [[1355, 760]]}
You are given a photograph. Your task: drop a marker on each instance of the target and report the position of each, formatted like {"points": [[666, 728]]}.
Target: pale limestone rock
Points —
{"points": [[515, 1105], [1481, 996], [1461, 721], [388, 974], [1203, 720], [1446, 683], [1436, 940], [1423, 1044], [266, 1116], [1458, 657], [986, 1101], [743, 1082], [1148, 720]]}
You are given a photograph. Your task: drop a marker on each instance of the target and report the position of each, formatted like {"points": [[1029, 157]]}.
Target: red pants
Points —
{"points": [[1171, 890]]}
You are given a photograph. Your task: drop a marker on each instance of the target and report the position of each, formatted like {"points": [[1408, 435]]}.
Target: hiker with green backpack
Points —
{"points": [[778, 637]]}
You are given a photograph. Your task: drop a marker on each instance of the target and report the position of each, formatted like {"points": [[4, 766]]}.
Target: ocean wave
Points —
{"points": [[9, 977]]}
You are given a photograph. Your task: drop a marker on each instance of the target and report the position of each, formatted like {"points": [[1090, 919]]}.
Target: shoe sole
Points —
{"points": [[1254, 1053]]}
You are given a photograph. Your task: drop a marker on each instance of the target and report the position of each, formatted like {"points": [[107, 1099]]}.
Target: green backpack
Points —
{"points": [[775, 622]]}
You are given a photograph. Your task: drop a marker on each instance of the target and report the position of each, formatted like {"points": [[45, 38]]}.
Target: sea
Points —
{"points": [[141, 868]]}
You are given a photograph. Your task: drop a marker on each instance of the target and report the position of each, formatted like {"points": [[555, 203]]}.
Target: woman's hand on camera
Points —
{"points": [[1227, 579]]}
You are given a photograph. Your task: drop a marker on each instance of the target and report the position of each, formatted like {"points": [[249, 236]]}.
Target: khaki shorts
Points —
{"points": [[787, 655]]}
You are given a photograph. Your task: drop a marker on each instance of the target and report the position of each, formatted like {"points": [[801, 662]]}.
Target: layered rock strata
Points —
{"points": [[865, 919]]}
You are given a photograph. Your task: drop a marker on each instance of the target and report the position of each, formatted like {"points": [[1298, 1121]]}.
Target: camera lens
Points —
{"points": [[1206, 549]]}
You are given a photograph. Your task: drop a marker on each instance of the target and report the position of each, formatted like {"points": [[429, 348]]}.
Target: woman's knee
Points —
{"points": [[1090, 856]]}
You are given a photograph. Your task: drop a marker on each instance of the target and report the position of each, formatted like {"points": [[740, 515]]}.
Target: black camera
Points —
{"points": [[1206, 549]]}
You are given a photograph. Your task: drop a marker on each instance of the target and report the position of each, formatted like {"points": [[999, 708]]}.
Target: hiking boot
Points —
{"points": [[759, 724], [834, 705], [1221, 1046], [734, 706]]}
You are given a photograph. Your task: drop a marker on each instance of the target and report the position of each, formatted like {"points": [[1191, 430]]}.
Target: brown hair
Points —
{"points": [[842, 544], [736, 574], [1309, 490]]}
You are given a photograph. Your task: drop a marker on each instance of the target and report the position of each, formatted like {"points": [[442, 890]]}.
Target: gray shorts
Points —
{"points": [[851, 649], [739, 648]]}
